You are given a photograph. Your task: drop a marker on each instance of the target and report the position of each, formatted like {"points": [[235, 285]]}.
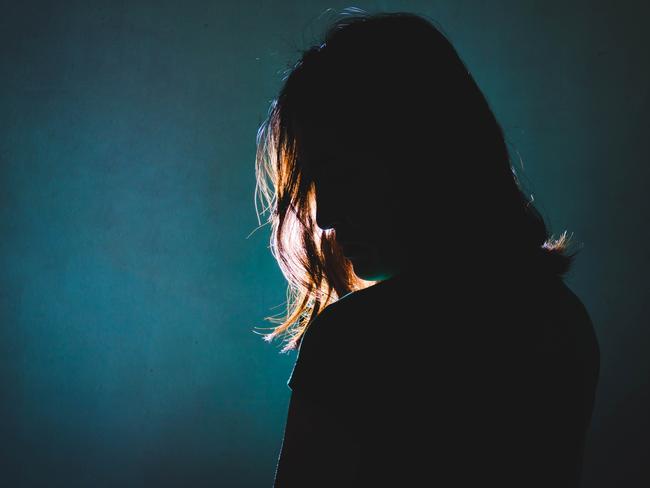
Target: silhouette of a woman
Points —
{"points": [[438, 343]]}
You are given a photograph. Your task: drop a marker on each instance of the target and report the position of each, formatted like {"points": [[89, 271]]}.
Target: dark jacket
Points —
{"points": [[472, 381]]}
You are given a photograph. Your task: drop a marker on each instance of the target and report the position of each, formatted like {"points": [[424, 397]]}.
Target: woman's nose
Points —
{"points": [[328, 212]]}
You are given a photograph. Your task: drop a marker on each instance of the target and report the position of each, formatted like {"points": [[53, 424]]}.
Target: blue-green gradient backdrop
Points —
{"points": [[128, 287]]}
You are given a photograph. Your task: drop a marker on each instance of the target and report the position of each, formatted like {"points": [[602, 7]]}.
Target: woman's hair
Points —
{"points": [[397, 83]]}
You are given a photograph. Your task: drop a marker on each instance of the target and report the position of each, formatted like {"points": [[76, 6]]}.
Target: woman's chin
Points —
{"points": [[366, 269]]}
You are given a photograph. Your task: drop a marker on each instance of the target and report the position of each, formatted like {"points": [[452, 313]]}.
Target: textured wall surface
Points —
{"points": [[129, 289]]}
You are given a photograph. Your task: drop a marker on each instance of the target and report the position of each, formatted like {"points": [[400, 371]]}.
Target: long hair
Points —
{"points": [[397, 82]]}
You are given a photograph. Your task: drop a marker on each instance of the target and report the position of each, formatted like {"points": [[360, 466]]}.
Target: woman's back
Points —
{"points": [[475, 380]]}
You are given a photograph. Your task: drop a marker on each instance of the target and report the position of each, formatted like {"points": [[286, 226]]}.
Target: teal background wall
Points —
{"points": [[129, 289]]}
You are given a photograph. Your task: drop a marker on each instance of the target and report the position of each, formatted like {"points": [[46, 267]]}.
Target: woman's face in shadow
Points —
{"points": [[359, 194]]}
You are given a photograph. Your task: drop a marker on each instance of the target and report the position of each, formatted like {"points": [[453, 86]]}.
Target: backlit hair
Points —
{"points": [[317, 272]]}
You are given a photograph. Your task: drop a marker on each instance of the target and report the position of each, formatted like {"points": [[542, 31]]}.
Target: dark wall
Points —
{"points": [[129, 289]]}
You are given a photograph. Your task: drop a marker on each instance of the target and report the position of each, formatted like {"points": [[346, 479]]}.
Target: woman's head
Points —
{"points": [[381, 155]]}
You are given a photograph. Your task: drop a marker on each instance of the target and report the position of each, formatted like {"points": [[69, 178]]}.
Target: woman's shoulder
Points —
{"points": [[354, 314], [569, 330], [551, 338], [566, 319], [343, 338]]}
